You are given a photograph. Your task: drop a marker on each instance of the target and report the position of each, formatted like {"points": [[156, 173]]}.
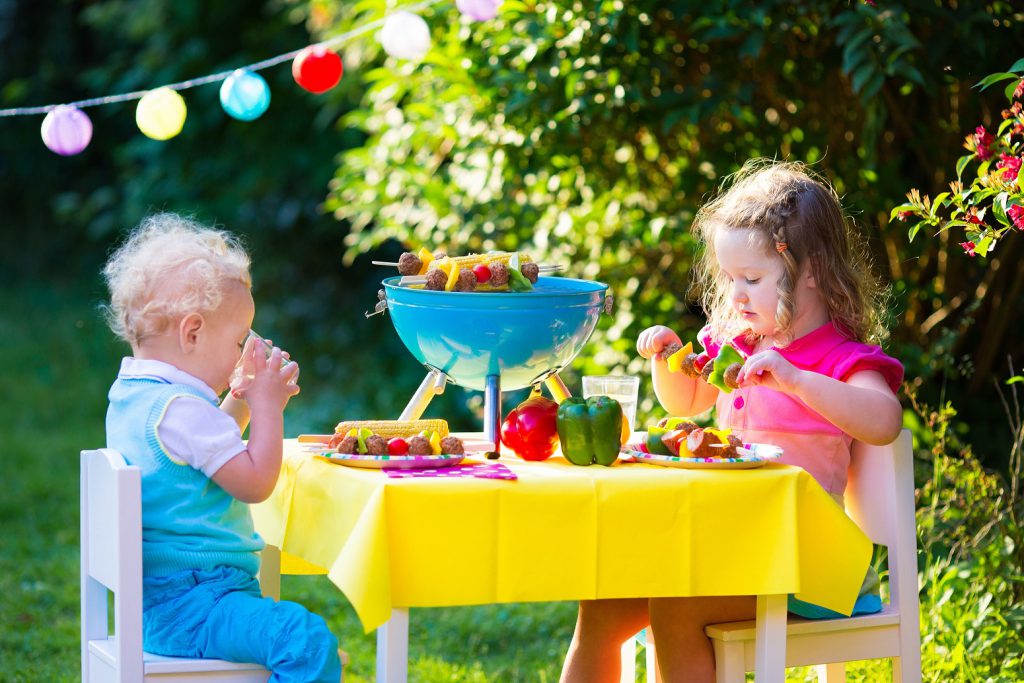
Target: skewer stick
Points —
{"points": [[385, 263]]}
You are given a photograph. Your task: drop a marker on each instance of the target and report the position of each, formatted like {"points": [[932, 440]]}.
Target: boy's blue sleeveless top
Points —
{"points": [[188, 521]]}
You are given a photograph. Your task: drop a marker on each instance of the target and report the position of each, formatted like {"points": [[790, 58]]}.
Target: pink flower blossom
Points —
{"points": [[904, 215], [1016, 214], [983, 141], [968, 247], [1019, 90], [1011, 164], [871, 3]]}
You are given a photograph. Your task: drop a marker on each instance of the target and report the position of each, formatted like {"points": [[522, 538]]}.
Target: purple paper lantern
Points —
{"points": [[479, 10], [66, 130]]}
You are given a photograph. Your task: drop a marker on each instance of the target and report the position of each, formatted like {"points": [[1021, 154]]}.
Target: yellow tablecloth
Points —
{"points": [[561, 532]]}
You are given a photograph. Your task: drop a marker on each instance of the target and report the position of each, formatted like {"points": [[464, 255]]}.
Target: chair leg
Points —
{"points": [[628, 661], [907, 669], [393, 648], [651, 659], [270, 572], [729, 664], [831, 673]]}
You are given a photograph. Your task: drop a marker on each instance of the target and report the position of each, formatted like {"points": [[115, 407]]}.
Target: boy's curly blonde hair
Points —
{"points": [[784, 203], [168, 267]]}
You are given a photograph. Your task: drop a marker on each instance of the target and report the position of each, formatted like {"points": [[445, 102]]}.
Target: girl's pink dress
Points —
{"points": [[762, 415]]}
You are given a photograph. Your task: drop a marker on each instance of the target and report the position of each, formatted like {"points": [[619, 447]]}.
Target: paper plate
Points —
{"points": [[400, 462], [749, 456]]}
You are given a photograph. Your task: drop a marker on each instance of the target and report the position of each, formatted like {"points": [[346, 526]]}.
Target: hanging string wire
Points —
{"points": [[337, 40]]}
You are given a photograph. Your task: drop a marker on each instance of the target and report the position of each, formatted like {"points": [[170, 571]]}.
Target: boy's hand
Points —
{"points": [[652, 340], [770, 369], [273, 381]]}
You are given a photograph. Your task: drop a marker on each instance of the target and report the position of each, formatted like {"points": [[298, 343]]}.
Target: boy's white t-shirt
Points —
{"points": [[192, 430]]}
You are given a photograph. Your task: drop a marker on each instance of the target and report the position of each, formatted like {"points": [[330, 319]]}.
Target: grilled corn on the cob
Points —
{"points": [[393, 428]]}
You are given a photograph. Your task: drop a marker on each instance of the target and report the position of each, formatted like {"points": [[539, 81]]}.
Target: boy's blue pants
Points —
{"points": [[220, 614]]}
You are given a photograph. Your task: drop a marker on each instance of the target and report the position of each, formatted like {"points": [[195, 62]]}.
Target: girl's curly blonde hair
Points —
{"points": [[798, 216], [168, 267]]}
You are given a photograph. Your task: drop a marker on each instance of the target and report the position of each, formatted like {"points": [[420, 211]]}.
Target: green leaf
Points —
{"points": [[1015, 379], [913, 232], [752, 45], [1018, 66], [897, 209], [984, 246], [1008, 91], [854, 52], [873, 86], [991, 79], [861, 76], [912, 74], [961, 164]]}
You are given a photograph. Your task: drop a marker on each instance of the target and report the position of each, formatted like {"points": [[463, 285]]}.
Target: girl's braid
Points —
{"points": [[778, 219]]}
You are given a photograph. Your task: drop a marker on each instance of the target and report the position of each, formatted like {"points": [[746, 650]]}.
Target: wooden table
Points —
{"points": [[632, 530]]}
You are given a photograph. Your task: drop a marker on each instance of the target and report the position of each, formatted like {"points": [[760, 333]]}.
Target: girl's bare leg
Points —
{"points": [[684, 653], [601, 628]]}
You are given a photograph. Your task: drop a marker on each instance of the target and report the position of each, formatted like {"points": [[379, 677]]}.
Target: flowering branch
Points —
{"points": [[992, 203]]}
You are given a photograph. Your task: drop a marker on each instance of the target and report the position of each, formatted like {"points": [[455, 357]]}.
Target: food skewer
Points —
{"points": [[491, 272], [413, 280], [544, 267]]}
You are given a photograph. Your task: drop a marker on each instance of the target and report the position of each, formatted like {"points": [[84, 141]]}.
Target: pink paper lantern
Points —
{"points": [[66, 130], [317, 69], [479, 10]]}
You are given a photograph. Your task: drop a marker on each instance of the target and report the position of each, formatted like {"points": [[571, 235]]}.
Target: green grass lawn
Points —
{"points": [[59, 361]]}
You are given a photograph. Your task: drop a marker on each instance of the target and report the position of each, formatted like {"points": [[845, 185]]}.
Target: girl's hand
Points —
{"points": [[652, 340], [770, 369]]}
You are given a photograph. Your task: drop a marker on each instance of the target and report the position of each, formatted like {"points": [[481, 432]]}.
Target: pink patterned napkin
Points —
{"points": [[490, 470]]}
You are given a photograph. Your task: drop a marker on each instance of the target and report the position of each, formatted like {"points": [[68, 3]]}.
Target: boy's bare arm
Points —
{"points": [[237, 409], [251, 475]]}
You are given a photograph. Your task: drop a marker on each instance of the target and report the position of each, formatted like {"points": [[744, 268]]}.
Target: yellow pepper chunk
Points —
{"points": [[435, 440], [675, 361], [425, 258], [453, 277]]}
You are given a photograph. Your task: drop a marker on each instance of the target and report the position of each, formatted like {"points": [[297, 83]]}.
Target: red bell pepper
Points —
{"points": [[531, 430]]}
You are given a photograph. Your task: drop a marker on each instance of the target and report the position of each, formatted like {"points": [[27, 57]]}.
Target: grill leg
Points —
{"points": [[492, 410], [432, 385]]}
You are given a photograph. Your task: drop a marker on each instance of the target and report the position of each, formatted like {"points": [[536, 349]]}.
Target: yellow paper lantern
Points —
{"points": [[160, 114]]}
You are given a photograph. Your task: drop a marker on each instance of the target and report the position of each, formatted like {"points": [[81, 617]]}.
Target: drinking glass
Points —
{"points": [[268, 348], [623, 388]]}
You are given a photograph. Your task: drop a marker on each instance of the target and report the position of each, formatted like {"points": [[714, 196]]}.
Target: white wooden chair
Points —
{"points": [[880, 499], [111, 528]]}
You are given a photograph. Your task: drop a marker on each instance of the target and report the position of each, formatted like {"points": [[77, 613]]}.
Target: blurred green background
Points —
{"points": [[586, 133]]}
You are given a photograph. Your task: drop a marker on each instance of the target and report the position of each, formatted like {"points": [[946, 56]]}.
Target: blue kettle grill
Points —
{"points": [[494, 341]]}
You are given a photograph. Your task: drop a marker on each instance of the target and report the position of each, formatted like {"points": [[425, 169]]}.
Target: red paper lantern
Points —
{"points": [[317, 69]]}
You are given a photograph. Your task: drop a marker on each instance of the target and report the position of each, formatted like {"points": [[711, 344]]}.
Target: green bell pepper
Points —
{"points": [[727, 355], [654, 442], [590, 430], [518, 282]]}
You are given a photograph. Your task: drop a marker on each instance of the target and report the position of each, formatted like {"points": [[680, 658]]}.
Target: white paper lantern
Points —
{"points": [[405, 35]]}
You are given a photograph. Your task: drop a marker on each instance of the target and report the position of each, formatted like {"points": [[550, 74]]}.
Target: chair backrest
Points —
{"points": [[111, 540], [880, 499]]}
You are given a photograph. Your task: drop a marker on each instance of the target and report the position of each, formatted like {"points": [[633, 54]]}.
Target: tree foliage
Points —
{"points": [[589, 133]]}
